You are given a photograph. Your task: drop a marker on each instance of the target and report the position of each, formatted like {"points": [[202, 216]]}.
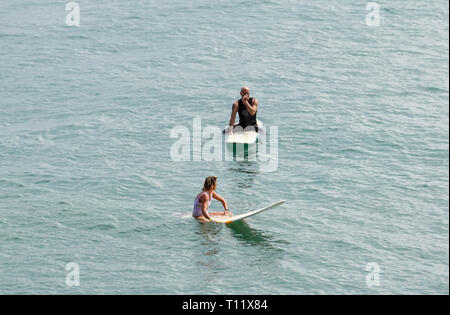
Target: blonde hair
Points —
{"points": [[210, 182]]}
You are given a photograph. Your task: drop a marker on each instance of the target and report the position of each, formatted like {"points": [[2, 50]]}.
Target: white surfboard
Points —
{"points": [[227, 220], [243, 136]]}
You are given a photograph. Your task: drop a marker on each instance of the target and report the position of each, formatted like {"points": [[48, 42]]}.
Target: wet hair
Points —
{"points": [[209, 183]]}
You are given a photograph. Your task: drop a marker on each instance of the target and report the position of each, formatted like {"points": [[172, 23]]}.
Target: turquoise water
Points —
{"points": [[86, 174]]}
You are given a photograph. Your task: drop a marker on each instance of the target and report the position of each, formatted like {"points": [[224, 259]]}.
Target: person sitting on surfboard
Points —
{"points": [[204, 199], [247, 108]]}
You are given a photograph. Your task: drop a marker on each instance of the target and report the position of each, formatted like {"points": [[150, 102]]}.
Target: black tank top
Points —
{"points": [[245, 119]]}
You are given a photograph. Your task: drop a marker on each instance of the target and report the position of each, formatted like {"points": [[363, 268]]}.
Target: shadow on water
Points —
{"points": [[209, 231], [247, 168], [210, 266], [241, 230], [251, 236], [210, 258]]}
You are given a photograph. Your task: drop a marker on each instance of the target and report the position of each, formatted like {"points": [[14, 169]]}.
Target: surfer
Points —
{"points": [[204, 199], [247, 108]]}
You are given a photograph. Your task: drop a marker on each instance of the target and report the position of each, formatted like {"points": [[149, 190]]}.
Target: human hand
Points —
{"points": [[245, 98]]}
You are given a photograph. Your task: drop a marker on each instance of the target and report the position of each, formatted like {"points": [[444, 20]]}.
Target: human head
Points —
{"points": [[245, 90], [210, 183]]}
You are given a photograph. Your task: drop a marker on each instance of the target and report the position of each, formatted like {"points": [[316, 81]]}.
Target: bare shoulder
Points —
{"points": [[202, 198], [255, 101]]}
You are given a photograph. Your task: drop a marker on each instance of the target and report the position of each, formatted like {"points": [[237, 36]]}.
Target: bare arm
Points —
{"points": [[220, 199], [233, 114], [252, 108]]}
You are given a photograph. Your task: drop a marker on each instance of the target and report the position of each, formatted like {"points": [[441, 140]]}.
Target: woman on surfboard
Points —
{"points": [[204, 199]]}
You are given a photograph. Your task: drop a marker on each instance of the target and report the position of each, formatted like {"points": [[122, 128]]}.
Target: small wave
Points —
{"points": [[44, 181], [434, 89], [103, 227], [134, 17], [144, 230], [77, 37], [183, 216], [7, 183]]}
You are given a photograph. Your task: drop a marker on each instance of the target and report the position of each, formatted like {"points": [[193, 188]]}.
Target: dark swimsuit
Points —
{"points": [[245, 119]]}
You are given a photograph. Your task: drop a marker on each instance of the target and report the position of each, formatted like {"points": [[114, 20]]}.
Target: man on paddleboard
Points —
{"points": [[204, 199], [247, 108]]}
